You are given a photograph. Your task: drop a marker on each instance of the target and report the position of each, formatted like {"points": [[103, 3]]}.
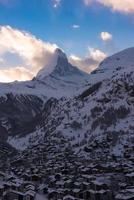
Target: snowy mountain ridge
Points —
{"points": [[79, 142], [59, 79], [93, 110]]}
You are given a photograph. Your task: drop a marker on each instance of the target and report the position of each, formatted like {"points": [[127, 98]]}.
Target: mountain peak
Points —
{"points": [[56, 58], [60, 53], [61, 67]]}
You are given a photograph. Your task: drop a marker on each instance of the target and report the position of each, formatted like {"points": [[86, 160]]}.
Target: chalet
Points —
{"points": [[60, 184], [85, 186], [18, 162], [29, 195], [2, 176], [7, 186], [30, 187], [76, 193], [68, 184], [88, 178], [127, 194], [130, 178], [131, 158], [1, 189], [96, 185], [10, 178], [26, 177], [122, 185], [99, 195], [85, 171], [12, 194], [68, 197], [43, 188], [52, 183], [15, 186], [87, 195], [17, 195], [78, 184], [58, 177], [35, 178], [52, 195]]}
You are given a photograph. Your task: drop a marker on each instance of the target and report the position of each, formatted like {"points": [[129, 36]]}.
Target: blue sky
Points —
{"points": [[74, 25]]}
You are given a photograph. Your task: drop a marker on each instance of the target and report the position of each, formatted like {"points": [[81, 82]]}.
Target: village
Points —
{"points": [[57, 173]]}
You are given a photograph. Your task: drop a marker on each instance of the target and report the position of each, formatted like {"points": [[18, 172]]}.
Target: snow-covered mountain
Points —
{"points": [[69, 133], [61, 68], [57, 80], [94, 113], [22, 102], [123, 59]]}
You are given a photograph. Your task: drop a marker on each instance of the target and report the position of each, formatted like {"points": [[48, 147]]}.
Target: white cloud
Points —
{"points": [[34, 52], [90, 62], [1, 60], [96, 54], [105, 36], [12, 74], [75, 26], [124, 6], [56, 3]]}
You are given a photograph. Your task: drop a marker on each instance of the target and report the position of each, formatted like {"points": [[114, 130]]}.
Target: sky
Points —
{"points": [[86, 30]]}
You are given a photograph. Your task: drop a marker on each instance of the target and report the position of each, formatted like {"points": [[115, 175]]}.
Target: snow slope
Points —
{"points": [[123, 59], [116, 64]]}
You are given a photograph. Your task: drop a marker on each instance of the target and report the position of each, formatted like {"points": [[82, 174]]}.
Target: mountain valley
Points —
{"points": [[71, 134]]}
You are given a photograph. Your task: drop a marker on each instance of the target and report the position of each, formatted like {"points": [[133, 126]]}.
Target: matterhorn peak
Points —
{"points": [[60, 67], [63, 67], [60, 53], [61, 56], [57, 57]]}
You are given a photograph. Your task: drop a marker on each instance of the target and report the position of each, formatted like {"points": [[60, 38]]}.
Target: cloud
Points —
{"points": [[56, 3], [12, 74], [105, 36], [34, 52], [96, 54], [88, 2], [75, 26], [124, 6], [90, 62], [1, 60]]}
